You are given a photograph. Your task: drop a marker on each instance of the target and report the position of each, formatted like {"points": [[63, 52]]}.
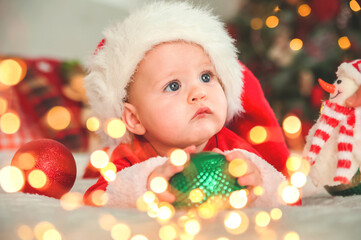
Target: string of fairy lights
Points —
{"points": [[172, 225]]}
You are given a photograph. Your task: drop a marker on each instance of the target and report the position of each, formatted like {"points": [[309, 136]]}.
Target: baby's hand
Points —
{"points": [[166, 171], [251, 178]]}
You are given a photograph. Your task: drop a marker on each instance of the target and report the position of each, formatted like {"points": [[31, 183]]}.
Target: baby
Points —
{"points": [[170, 72]]}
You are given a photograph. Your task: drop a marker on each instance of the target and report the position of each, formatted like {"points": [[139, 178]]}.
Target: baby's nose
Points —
{"points": [[197, 93]]}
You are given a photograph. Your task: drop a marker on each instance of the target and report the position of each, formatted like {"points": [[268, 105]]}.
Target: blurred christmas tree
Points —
{"points": [[290, 44]]}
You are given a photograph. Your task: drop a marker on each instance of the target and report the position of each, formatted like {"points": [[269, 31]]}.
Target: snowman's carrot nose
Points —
{"points": [[326, 86]]}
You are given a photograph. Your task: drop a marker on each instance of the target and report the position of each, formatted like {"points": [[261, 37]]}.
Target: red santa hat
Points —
{"points": [[350, 70], [125, 44]]}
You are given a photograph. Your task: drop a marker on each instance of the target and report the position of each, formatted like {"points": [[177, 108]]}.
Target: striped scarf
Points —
{"points": [[332, 116]]}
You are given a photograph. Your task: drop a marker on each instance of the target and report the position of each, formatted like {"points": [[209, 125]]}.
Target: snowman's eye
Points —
{"points": [[339, 81]]}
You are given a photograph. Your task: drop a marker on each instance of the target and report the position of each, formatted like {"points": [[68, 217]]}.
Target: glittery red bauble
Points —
{"points": [[53, 159]]}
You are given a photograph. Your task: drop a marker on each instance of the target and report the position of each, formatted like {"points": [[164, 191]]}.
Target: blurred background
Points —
{"points": [[287, 44]]}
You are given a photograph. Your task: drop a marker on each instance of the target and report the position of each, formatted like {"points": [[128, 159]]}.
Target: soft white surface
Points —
{"points": [[321, 216]]}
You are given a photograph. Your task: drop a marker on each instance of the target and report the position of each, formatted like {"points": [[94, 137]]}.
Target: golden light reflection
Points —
{"points": [[71, 200], [41, 228], [304, 10], [276, 214], [109, 172], [158, 184], [237, 167], [293, 162], [149, 197], [223, 238], [298, 179], [207, 210], [3, 105], [344, 43], [93, 124], [291, 236], [256, 23], [262, 219], [12, 71], [11, 179], [115, 128], [58, 118], [238, 199], [107, 222], [25, 232], [139, 237], [25, 161], [120, 231], [99, 198], [355, 6], [51, 234], [292, 126], [236, 222], [37, 178], [258, 190], [167, 232], [165, 211], [272, 21], [296, 44], [141, 204], [290, 194], [178, 157], [9, 123], [196, 195], [258, 134], [99, 159], [152, 210], [192, 226]]}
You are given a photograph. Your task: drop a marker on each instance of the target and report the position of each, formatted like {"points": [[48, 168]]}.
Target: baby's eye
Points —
{"points": [[172, 86], [206, 77], [339, 81]]}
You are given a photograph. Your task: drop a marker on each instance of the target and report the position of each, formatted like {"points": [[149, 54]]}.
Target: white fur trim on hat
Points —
{"points": [[111, 68], [351, 70]]}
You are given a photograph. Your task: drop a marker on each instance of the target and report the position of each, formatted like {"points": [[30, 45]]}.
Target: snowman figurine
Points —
{"points": [[333, 145]]}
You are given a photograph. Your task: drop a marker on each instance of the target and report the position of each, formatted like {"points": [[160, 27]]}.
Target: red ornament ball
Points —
{"points": [[48, 166]]}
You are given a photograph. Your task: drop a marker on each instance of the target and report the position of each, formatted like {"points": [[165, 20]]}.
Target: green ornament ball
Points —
{"points": [[207, 171]]}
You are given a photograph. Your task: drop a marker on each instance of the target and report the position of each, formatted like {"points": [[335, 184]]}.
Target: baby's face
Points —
{"points": [[178, 97]]}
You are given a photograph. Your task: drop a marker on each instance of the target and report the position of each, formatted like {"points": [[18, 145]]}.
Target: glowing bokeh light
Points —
{"points": [[12, 71], [99, 159], [149, 197], [236, 222], [41, 228], [262, 219], [115, 128], [355, 6], [192, 226], [99, 198], [109, 172], [298, 179], [290, 194], [238, 199], [304, 10], [165, 211], [139, 237], [51, 234], [11, 179], [107, 222], [121, 231], [293, 162], [276, 214], [152, 210], [58, 118], [9, 123], [222, 238], [141, 204], [291, 236], [71, 200], [292, 125], [158, 184], [296, 44], [3, 106], [272, 21], [167, 232], [207, 210], [26, 161], [256, 23], [109, 176], [258, 190], [258, 134], [93, 124], [25, 232], [37, 178], [196, 195], [178, 157], [237, 167], [344, 43]]}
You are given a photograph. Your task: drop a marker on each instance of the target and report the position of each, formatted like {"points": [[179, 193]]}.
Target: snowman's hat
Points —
{"points": [[350, 70]]}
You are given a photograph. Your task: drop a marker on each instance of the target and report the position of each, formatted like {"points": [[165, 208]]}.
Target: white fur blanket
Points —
{"points": [[321, 216]]}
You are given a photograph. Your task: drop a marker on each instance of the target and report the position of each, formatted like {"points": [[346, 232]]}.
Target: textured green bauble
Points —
{"points": [[207, 171], [353, 188]]}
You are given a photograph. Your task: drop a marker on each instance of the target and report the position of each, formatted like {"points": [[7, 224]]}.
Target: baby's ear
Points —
{"points": [[131, 120]]}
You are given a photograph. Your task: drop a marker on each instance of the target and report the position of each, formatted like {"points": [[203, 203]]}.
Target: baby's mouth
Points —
{"points": [[203, 111], [338, 93]]}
